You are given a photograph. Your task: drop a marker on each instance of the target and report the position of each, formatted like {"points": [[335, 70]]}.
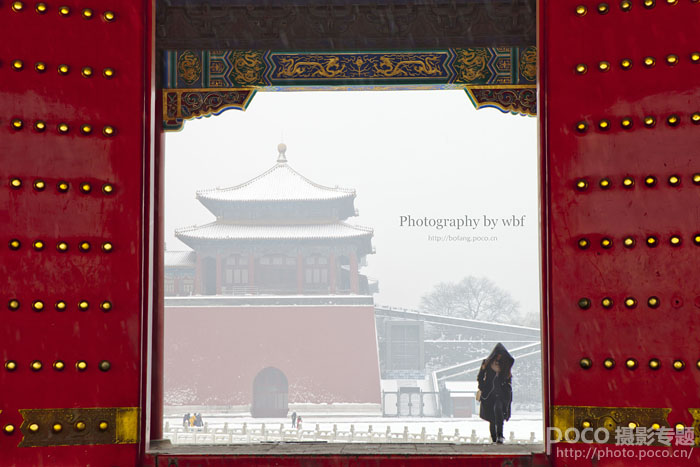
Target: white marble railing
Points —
{"points": [[260, 433]]}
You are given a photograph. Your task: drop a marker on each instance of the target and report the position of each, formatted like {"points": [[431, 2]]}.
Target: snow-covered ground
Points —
{"points": [[524, 426]]}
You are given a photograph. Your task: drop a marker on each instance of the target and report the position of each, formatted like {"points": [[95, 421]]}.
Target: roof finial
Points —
{"points": [[282, 158]]}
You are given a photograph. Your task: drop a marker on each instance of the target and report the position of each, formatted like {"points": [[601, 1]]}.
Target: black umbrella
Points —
{"points": [[506, 361]]}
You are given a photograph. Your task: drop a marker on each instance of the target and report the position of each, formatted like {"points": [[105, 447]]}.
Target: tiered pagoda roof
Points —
{"points": [[280, 183], [280, 186], [279, 204]]}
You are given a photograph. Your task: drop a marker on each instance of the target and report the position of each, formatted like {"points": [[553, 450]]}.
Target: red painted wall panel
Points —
{"points": [[328, 353], [27, 215]]}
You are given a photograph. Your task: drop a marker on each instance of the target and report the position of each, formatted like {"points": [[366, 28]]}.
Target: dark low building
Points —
{"points": [[179, 273]]}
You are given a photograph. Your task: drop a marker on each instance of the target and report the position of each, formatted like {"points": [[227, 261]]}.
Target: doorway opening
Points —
{"points": [[270, 394], [209, 276], [372, 248]]}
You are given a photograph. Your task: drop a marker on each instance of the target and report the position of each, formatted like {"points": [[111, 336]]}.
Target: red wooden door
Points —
{"points": [[619, 94], [74, 208]]}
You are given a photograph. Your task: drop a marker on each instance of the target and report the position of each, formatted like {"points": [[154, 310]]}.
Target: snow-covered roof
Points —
{"points": [[179, 258], [226, 231], [280, 183]]}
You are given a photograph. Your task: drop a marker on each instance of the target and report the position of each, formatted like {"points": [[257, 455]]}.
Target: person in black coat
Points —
{"points": [[496, 391]]}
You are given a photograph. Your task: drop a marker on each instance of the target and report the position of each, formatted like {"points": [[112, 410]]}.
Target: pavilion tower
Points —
{"points": [[280, 234], [279, 313]]}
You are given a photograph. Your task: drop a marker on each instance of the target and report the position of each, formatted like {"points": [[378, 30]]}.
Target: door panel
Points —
{"points": [[607, 116], [76, 81]]}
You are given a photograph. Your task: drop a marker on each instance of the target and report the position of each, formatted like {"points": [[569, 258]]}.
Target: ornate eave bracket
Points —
{"points": [[186, 104], [517, 100]]}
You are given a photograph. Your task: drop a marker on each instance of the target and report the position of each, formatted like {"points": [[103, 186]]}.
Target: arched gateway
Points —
{"points": [[270, 394]]}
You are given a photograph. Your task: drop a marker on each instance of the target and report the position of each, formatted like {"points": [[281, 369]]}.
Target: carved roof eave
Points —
{"points": [[279, 183], [363, 244], [346, 206], [220, 234]]}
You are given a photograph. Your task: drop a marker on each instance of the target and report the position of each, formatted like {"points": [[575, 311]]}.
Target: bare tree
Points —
{"points": [[473, 298]]}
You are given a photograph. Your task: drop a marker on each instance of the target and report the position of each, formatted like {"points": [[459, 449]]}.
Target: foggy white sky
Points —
{"points": [[419, 153]]}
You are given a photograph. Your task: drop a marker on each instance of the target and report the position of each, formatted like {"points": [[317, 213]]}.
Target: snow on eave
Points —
{"points": [[217, 231], [179, 259], [326, 193]]}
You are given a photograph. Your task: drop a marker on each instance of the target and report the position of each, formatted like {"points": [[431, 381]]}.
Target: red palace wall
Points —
{"points": [[328, 353]]}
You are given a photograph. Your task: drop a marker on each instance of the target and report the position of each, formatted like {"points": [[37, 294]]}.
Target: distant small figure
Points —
{"points": [[445, 401], [192, 419], [198, 420], [186, 420], [298, 423], [294, 419]]}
